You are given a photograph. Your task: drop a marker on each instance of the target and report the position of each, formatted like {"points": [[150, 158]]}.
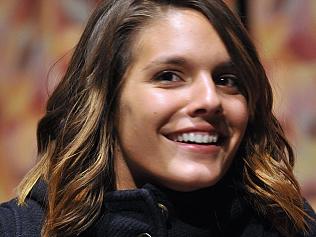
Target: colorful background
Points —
{"points": [[37, 38]]}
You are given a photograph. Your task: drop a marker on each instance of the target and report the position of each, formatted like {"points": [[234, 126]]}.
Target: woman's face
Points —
{"points": [[182, 115]]}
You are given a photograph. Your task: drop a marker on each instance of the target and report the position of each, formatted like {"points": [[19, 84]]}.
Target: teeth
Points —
{"points": [[197, 138], [186, 137], [192, 137], [205, 139], [180, 139]]}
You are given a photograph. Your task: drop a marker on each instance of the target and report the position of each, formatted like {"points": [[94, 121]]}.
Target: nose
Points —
{"points": [[205, 99]]}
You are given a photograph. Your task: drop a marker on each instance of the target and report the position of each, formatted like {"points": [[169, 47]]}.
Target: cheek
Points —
{"points": [[149, 107], [237, 112]]}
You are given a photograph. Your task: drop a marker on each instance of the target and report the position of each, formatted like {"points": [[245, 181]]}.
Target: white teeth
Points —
{"points": [[205, 139], [192, 138], [179, 138], [197, 138], [186, 137]]}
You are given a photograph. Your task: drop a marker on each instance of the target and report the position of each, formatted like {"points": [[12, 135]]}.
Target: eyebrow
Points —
{"points": [[177, 61], [180, 61], [228, 65]]}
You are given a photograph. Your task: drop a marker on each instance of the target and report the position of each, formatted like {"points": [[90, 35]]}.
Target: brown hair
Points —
{"points": [[77, 136]]}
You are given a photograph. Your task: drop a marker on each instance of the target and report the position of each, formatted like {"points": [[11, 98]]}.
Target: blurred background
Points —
{"points": [[36, 42]]}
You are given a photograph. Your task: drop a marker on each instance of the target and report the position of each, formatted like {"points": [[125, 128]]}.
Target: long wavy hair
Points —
{"points": [[77, 136]]}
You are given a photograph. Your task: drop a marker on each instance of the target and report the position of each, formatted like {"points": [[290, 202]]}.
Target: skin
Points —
{"points": [[180, 81]]}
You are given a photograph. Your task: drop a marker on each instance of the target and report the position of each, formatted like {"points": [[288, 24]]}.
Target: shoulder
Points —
{"points": [[310, 221], [24, 220], [16, 220]]}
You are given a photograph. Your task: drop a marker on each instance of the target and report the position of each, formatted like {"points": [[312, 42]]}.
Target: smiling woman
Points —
{"points": [[171, 101], [162, 126]]}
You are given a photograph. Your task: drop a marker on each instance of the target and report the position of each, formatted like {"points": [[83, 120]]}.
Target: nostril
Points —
{"points": [[204, 111], [200, 111]]}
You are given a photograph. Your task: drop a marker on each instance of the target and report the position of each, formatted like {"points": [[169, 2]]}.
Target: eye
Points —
{"points": [[167, 76], [228, 82]]}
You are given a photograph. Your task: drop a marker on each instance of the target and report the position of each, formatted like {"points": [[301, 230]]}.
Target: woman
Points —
{"points": [[161, 126]]}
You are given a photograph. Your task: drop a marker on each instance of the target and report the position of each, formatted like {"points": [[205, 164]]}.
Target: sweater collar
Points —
{"points": [[217, 208]]}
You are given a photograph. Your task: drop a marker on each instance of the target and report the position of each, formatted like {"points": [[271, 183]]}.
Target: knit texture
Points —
{"points": [[156, 211]]}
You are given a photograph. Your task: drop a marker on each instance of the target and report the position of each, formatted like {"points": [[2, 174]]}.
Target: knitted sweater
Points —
{"points": [[154, 212]]}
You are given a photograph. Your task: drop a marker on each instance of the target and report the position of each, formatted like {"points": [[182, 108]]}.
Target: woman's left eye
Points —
{"points": [[229, 80], [229, 83]]}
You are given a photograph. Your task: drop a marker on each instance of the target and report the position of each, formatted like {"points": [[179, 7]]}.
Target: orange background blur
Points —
{"points": [[37, 38]]}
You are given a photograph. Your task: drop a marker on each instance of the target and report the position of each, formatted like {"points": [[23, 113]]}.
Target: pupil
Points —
{"points": [[168, 76]]}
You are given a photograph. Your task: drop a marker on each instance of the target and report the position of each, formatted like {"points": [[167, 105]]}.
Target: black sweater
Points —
{"points": [[157, 212]]}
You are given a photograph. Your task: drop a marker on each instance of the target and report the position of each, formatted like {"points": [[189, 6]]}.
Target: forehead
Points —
{"points": [[180, 33]]}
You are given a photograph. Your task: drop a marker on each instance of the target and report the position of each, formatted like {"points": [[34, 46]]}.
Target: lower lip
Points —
{"points": [[198, 148]]}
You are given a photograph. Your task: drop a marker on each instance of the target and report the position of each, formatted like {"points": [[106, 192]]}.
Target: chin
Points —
{"points": [[189, 185]]}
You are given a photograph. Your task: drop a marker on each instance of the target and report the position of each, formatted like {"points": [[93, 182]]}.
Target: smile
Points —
{"points": [[197, 138]]}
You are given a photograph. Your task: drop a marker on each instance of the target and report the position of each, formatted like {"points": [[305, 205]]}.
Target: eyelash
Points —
{"points": [[226, 81], [161, 77], [229, 80]]}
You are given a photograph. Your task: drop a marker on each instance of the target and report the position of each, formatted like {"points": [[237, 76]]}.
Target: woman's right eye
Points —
{"points": [[167, 77]]}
